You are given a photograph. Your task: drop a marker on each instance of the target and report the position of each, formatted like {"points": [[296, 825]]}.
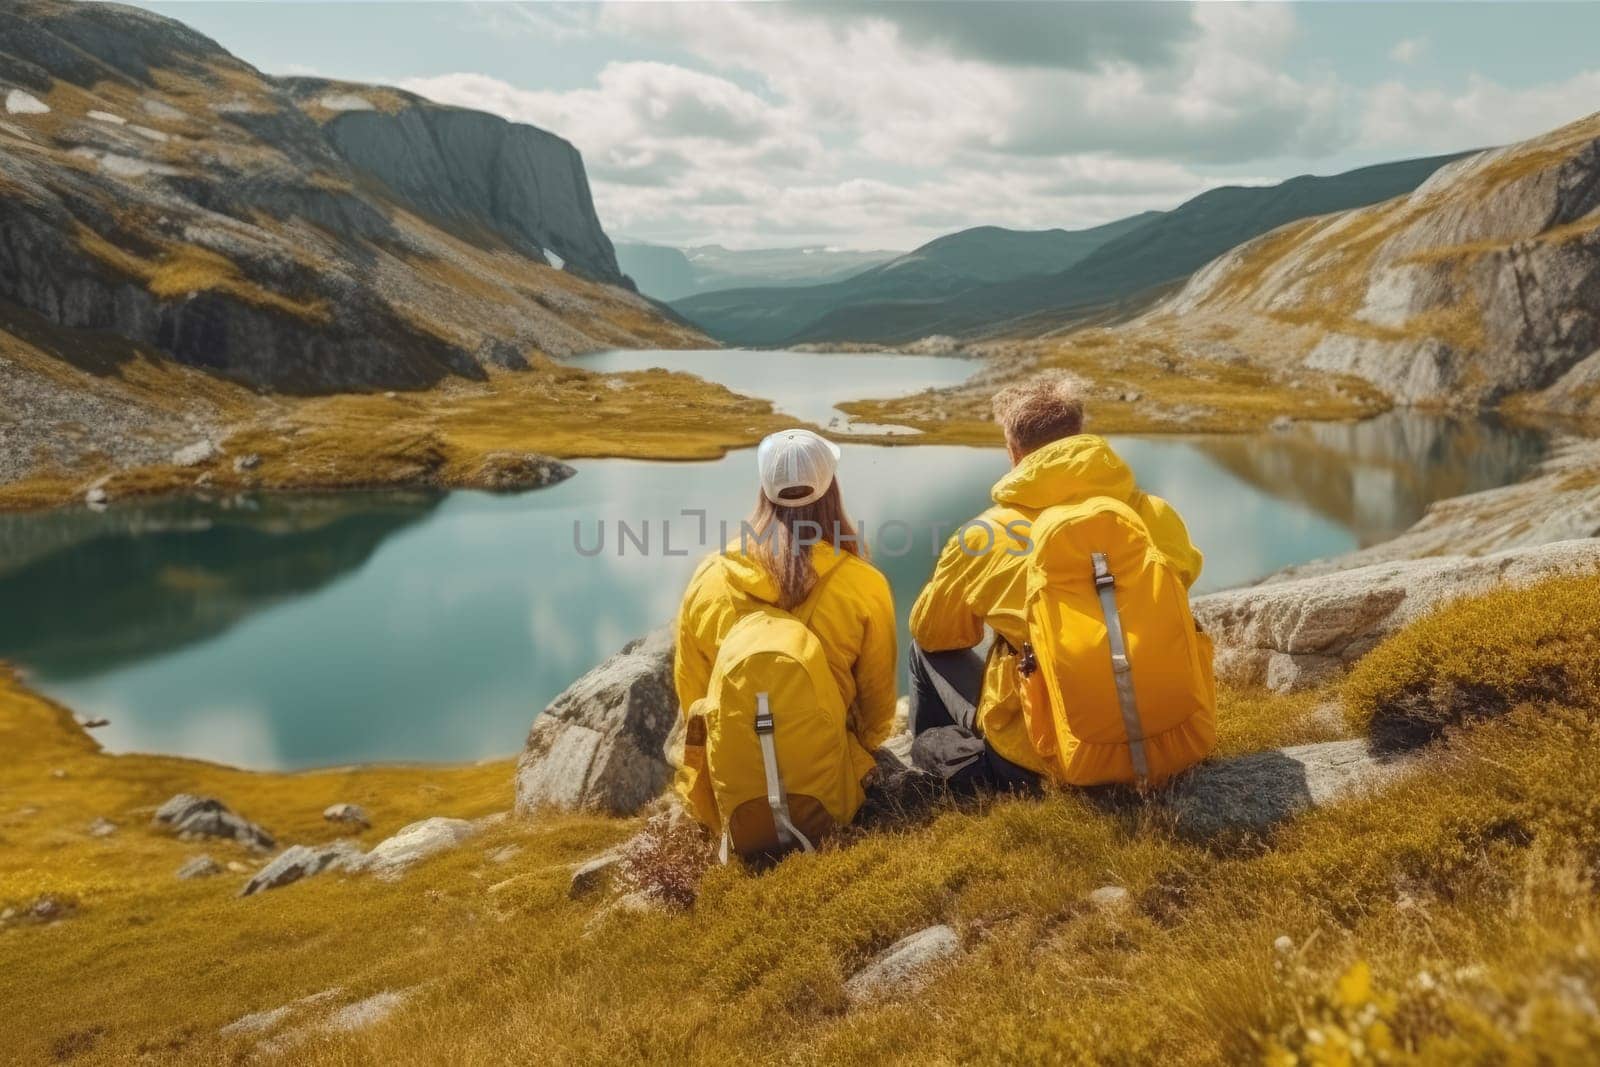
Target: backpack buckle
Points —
{"points": [[763, 724], [1102, 571], [763, 715]]}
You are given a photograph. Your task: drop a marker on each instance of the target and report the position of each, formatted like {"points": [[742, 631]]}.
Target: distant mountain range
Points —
{"points": [[989, 280], [673, 273]]}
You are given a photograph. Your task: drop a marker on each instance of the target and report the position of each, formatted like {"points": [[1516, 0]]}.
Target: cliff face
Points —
{"points": [[519, 182], [295, 234], [1483, 283]]}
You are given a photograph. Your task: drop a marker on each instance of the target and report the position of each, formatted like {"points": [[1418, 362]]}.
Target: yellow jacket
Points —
{"points": [[852, 614], [984, 583]]}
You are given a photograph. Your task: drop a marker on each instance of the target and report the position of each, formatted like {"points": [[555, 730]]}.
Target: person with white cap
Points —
{"points": [[797, 558]]}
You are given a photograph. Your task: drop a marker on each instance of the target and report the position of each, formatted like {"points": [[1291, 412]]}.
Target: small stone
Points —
{"points": [[593, 874], [96, 497], [1132, 396], [390, 395], [364, 1013], [1284, 945], [7, 915], [94, 723], [102, 827], [1109, 898], [248, 462], [193, 817], [48, 909], [505, 854], [904, 966], [1282, 424], [390, 857], [303, 861], [236, 867], [195, 454], [354, 814], [201, 866], [58, 774]]}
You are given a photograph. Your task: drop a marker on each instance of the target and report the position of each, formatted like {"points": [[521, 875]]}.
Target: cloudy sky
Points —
{"points": [[881, 125]]}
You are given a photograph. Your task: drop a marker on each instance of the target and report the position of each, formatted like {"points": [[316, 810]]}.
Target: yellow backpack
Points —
{"points": [[1117, 679], [767, 751]]}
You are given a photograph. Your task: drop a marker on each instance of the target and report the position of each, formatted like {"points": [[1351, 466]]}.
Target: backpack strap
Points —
{"points": [[1105, 584], [777, 797]]}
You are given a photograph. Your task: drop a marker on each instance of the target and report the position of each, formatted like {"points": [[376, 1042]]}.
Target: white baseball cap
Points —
{"points": [[796, 459]]}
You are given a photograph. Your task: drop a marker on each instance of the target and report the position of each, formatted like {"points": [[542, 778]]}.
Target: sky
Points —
{"points": [[882, 125]]}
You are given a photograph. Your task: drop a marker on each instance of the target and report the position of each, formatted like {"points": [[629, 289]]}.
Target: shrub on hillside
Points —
{"points": [[1480, 657]]}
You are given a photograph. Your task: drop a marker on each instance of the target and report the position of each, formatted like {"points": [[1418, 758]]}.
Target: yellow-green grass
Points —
{"points": [[1449, 917], [1480, 657], [1138, 384]]}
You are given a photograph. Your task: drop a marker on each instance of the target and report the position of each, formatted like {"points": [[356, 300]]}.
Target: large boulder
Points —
{"points": [[1253, 793], [1294, 634], [599, 745]]}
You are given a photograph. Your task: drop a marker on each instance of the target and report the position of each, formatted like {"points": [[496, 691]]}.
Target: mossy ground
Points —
{"points": [[1449, 918], [1134, 383], [433, 437]]}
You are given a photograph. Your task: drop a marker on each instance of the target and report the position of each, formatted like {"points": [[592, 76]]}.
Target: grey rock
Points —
{"points": [[256, 1022], [1301, 631], [303, 861], [195, 454], [365, 1012], [96, 497], [192, 817], [1478, 284], [248, 462], [1111, 899], [415, 842], [1256, 792], [102, 827], [593, 874], [199, 867], [515, 471], [904, 966], [353, 814], [599, 745]]}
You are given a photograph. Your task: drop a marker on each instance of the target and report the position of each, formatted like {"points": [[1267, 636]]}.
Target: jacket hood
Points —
{"points": [[745, 573], [1066, 471]]}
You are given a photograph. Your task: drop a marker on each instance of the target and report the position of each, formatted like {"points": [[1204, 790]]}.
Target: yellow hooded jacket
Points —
{"points": [[853, 618], [981, 575]]}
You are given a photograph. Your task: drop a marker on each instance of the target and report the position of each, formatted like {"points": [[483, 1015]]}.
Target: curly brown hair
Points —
{"points": [[1043, 409]]}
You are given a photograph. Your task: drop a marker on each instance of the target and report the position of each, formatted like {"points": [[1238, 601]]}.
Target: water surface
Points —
{"points": [[292, 631]]}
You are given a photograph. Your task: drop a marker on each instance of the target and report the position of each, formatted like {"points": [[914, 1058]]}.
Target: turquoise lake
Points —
{"points": [[294, 631]]}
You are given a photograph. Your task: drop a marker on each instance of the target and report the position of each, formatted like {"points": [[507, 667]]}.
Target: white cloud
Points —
{"points": [[1484, 113], [1408, 50], [882, 126]]}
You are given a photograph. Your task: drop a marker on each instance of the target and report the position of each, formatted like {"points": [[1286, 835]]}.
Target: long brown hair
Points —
{"points": [[784, 558]]}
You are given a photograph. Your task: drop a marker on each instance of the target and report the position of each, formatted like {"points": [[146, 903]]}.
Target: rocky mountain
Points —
{"points": [[673, 273], [296, 234], [873, 302], [1482, 283], [1136, 263]]}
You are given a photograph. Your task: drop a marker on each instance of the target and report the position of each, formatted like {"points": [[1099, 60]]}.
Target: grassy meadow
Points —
{"points": [[1449, 917]]}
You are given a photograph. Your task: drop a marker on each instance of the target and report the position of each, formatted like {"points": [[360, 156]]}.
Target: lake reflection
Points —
{"points": [[303, 631]]}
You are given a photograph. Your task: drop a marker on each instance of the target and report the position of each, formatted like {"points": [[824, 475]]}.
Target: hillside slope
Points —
{"points": [[870, 300], [288, 233], [1483, 283], [1136, 266]]}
